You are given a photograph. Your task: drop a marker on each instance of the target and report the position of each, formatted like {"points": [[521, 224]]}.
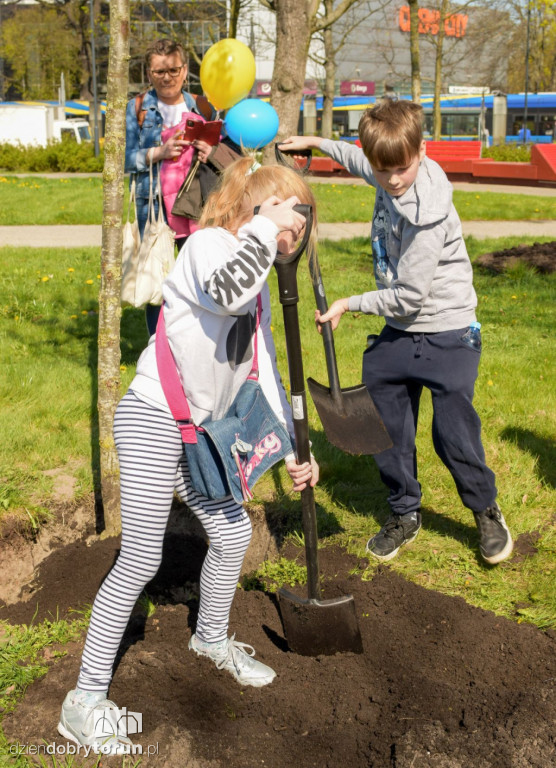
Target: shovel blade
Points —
{"points": [[351, 422], [320, 627]]}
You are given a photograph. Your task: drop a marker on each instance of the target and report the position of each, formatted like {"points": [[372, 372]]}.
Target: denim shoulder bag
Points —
{"points": [[227, 456]]}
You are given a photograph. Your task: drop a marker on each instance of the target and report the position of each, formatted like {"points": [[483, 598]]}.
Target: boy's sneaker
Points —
{"points": [[237, 658], [91, 720], [495, 541], [396, 531]]}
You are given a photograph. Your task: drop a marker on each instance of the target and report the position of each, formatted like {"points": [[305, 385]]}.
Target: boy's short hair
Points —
{"points": [[164, 47], [391, 132]]}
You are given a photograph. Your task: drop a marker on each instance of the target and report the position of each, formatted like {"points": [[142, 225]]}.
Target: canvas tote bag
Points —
{"points": [[156, 254], [131, 243]]}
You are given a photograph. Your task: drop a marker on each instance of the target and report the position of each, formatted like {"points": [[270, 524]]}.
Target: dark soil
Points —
{"points": [[539, 256], [440, 684]]}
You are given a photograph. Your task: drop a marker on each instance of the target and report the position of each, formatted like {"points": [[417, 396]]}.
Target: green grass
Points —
{"points": [[355, 202], [40, 200], [48, 325]]}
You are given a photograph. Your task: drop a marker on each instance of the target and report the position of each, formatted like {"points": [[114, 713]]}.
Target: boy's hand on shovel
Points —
{"points": [[333, 316], [301, 474]]}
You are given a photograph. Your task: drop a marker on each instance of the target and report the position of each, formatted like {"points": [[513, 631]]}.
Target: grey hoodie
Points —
{"points": [[422, 270]]}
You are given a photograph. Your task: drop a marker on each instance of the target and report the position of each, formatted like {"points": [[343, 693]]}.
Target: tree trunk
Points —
{"points": [[414, 50], [329, 89], [111, 262], [437, 116], [293, 34], [234, 9]]}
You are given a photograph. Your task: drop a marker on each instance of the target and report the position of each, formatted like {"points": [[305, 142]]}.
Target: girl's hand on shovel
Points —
{"points": [[282, 214], [334, 314], [301, 474]]}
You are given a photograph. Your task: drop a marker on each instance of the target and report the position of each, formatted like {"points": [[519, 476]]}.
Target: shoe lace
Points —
{"points": [[236, 653], [391, 525]]}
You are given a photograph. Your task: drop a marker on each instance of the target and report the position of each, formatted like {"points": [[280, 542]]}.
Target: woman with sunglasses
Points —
{"points": [[161, 106]]}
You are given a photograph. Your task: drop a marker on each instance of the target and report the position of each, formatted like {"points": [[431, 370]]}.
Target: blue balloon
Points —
{"points": [[252, 123]]}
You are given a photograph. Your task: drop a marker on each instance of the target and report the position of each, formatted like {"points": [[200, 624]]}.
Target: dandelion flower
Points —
{"points": [[490, 383], [71, 269], [123, 367], [88, 282], [45, 279], [73, 317], [84, 312]]}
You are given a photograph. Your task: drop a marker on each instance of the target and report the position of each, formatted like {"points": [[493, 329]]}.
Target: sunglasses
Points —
{"points": [[173, 71]]}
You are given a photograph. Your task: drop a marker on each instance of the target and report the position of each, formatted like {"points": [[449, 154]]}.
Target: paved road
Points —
{"points": [[63, 236]]}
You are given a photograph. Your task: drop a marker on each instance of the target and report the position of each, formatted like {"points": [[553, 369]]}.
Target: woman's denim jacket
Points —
{"points": [[138, 141]]}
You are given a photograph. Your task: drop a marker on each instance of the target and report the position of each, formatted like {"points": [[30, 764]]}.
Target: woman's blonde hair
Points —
{"points": [[239, 191]]}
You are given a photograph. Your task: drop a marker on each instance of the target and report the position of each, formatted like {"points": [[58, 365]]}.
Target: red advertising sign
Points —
{"points": [[357, 88], [263, 88], [310, 88], [429, 22]]}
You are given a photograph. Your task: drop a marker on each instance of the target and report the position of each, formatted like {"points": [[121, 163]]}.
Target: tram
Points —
{"points": [[462, 115]]}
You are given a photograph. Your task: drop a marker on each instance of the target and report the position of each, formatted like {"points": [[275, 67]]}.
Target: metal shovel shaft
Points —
{"points": [[312, 626], [289, 299], [350, 419]]}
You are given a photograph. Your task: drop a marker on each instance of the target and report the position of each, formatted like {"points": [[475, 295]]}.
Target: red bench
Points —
{"points": [[463, 159], [492, 169], [454, 156], [544, 157], [323, 165]]}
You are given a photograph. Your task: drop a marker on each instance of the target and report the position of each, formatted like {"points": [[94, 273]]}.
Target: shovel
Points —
{"points": [[349, 417], [312, 626]]}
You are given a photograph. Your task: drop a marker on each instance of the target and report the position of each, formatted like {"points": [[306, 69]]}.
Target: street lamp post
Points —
{"points": [[526, 72], [94, 67]]}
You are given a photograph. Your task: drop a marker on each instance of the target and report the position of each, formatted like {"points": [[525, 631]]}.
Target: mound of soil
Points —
{"points": [[440, 684], [540, 256]]}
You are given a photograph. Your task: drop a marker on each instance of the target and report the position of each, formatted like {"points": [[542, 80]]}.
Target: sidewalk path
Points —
{"points": [[63, 236]]}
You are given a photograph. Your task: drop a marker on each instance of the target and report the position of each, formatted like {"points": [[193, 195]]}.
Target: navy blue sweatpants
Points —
{"points": [[395, 369]]}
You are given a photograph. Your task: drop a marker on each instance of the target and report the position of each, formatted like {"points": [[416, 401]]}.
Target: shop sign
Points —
{"points": [[357, 88], [429, 22]]}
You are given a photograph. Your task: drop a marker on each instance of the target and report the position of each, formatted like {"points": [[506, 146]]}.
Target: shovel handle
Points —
{"points": [[286, 269], [326, 328], [280, 155]]}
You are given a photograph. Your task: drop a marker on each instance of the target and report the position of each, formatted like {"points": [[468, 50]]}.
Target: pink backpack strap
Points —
{"points": [[171, 384], [170, 381], [254, 373]]}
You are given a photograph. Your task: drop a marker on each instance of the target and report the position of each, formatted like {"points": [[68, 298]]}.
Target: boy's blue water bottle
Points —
{"points": [[472, 336]]}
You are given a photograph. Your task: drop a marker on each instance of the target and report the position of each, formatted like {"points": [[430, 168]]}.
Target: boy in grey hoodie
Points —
{"points": [[426, 296]]}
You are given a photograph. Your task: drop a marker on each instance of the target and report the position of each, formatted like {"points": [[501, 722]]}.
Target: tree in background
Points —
{"points": [[439, 45], [414, 50], [296, 22], [334, 37], [67, 41], [36, 50], [542, 45], [111, 262]]}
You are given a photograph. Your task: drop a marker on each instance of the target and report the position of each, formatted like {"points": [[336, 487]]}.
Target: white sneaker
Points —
{"points": [[237, 658], [91, 720]]}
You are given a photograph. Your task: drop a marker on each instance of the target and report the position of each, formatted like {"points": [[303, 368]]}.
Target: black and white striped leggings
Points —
{"points": [[152, 466]]}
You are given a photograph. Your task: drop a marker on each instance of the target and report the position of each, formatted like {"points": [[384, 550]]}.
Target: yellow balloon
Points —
{"points": [[227, 73]]}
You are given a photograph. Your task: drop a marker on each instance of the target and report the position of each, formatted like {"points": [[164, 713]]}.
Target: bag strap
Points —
{"points": [[170, 381], [132, 199], [201, 102], [157, 193], [139, 111]]}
